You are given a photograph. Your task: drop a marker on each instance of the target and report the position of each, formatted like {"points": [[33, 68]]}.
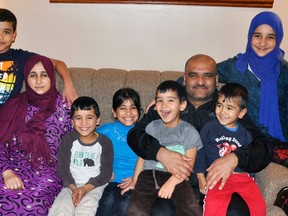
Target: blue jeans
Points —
{"points": [[112, 203]]}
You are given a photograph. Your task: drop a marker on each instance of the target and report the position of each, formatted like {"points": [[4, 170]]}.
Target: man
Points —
{"points": [[200, 81]]}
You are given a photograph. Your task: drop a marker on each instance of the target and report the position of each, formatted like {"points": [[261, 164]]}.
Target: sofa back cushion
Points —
{"points": [[101, 84]]}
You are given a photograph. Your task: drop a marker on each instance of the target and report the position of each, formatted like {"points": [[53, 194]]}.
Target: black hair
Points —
{"points": [[124, 94], [8, 16], [235, 90], [171, 85], [85, 103]]}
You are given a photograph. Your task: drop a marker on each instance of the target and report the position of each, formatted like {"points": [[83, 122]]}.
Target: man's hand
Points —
{"points": [[175, 163], [149, 105], [12, 181], [221, 169]]}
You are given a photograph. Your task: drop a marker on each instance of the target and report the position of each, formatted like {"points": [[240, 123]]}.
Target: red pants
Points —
{"points": [[216, 201]]}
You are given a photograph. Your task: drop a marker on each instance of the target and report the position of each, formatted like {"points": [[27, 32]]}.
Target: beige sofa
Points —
{"points": [[101, 84]]}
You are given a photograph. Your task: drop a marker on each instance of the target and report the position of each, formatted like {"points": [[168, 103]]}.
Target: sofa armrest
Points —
{"points": [[270, 181]]}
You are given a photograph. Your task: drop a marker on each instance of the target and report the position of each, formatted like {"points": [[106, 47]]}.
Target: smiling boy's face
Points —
{"points": [[7, 36], [228, 111], [168, 106], [85, 122]]}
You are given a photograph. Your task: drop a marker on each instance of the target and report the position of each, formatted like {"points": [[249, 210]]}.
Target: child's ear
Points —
{"points": [[183, 105], [14, 36], [242, 113], [114, 114], [98, 121]]}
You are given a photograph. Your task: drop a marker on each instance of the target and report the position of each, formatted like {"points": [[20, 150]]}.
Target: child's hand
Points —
{"points": [[77, 195], [202, 187], [69, 94], [131, 186], [12, 181], [166, 191], [125, 183]]}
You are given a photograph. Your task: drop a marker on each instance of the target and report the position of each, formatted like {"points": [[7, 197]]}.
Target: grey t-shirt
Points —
{"points": [[180, 138]]}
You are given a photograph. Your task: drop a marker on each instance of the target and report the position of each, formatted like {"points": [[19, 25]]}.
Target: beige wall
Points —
{"points": [[131, 36]]}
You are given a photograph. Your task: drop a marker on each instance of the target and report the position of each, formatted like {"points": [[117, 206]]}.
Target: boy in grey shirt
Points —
{"points": [[173, 133]]}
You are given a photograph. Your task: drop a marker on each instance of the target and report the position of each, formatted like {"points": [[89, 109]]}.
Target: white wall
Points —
{"points": [[132, 36]]}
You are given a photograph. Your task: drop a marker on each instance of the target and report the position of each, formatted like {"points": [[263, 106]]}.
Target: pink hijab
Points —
{"points": [[13, 115]]}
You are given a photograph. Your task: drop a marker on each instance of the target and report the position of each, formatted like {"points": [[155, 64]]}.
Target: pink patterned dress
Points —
{"points": [[41, 184]]}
